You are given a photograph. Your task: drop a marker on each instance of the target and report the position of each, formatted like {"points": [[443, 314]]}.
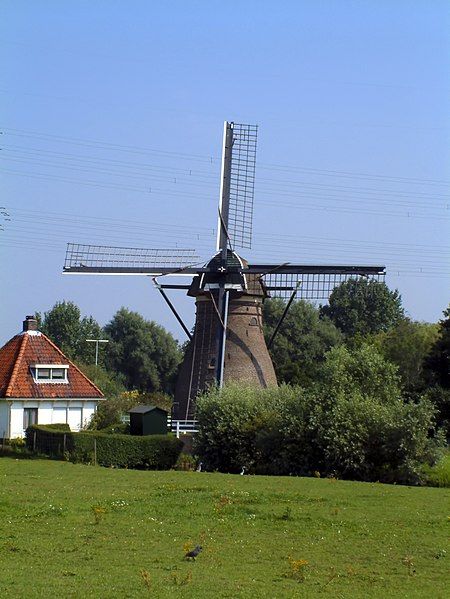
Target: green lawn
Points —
{"points": [[82, 531]]}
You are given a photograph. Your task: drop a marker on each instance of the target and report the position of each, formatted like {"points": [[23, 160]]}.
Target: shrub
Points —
{"points": [[439, 474], [153, 452], [119, 428], [290, 430], [62, 426]]}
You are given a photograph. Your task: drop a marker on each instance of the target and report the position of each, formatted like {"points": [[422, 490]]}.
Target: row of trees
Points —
{"points": [[142, 356], [362, 312]]}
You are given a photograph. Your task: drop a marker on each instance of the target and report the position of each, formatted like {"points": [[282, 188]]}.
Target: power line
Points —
{"points": [[211, 159], [178, 174], [341, 208]]}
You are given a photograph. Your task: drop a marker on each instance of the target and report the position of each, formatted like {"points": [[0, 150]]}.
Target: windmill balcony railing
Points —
{"points": [[182, 427]]}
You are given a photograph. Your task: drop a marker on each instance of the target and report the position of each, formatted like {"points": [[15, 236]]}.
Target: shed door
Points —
{"points": [[74, 419]]}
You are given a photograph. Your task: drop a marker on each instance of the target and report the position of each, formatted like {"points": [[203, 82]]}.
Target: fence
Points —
{"points": [[181, 427]]}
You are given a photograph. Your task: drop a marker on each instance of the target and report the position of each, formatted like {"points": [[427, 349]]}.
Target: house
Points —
{"points": [[39, 385]]}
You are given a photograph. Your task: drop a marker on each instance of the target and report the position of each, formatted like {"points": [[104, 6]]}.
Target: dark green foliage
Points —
{"points": [[109, 413], [153, 452], [108, 382], [302, 341], [440, 398], [362, 307], [65, 327], [354, 424], [121, 428], [407, 345], [144, 353], [438, 362]]}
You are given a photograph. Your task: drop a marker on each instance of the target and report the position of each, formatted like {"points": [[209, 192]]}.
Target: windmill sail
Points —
{"points": [[237, 186], [111, 260], [311, 282]]}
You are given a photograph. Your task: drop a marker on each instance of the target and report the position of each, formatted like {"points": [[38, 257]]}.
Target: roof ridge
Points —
{"points": [[72, 364], [12, 380]]}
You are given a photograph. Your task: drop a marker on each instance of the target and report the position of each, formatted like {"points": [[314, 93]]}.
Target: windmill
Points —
{"points": [[227, 342]]}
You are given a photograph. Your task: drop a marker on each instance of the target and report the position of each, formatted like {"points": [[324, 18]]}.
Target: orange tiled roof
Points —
{"points": [[30, 348]]}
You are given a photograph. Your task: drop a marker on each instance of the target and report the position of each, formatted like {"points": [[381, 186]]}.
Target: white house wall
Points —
{"points": [[16, 418], [76, 413]]}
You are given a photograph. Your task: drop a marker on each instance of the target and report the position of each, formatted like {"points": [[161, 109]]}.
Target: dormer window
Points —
{"points": [[50, 373]]}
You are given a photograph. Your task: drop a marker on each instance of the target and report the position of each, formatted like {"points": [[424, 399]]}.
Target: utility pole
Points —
{"points": [[97, 341]]}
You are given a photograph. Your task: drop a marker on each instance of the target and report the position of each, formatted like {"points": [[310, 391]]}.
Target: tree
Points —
{"points": [[407, 345], [437, 366], [302, 342], [145, 354], [362, 306], [438, 362], [362, 370], [65, 327], [108, 382]]}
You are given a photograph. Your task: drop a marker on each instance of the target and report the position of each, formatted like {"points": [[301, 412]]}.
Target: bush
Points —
{"points": [[290, 430], [152, 452], [62, 426], [439, 474], [119, 428]]}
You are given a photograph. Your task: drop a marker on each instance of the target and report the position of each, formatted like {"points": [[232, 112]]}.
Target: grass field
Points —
{"points": [[82, 531]]}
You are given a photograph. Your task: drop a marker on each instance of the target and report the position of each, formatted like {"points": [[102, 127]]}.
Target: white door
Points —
{"points": [[74, 419]]}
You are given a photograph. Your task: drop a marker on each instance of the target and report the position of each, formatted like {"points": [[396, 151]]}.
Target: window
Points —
{"points": [[58, 373], [43, 373], [30, 417], [49, 373]]}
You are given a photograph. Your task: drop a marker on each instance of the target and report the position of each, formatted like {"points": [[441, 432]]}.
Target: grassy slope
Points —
{"points": [[361, 540]]}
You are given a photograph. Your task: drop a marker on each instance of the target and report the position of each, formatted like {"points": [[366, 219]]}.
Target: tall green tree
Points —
{"points": [[362, 370], [407, 345], [438, 362], [64, 325], [362, 307], [145, 354], [302, 341], [437, 367]]}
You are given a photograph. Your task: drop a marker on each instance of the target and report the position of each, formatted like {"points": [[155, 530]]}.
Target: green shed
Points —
{"points": [[148, 420]]}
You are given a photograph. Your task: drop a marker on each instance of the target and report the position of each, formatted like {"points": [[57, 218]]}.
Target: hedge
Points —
{"points": [[61, 426], [151, 452]]}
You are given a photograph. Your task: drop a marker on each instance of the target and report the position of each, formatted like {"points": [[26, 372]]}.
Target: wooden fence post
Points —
{"points": [[34, 441]]}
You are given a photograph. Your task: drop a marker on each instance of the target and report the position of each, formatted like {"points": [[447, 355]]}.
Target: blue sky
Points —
{"points": [[111, 120]]}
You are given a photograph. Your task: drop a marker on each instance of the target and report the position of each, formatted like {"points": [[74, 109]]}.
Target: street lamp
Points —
{"points": [[97, 341]]}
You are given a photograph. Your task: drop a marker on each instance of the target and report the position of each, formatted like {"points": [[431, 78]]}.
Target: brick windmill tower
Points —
{"points": [[227, 343]]}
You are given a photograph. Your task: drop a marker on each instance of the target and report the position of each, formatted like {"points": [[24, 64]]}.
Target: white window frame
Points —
{"points": [[50, 367]]}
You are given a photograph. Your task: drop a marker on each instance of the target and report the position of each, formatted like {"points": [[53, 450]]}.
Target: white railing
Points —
{"points": [[181, 427]]}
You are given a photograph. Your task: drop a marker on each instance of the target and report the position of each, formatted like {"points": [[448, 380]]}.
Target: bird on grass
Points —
{"points": [[193, 554], [243, 470], [199, 467]]}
